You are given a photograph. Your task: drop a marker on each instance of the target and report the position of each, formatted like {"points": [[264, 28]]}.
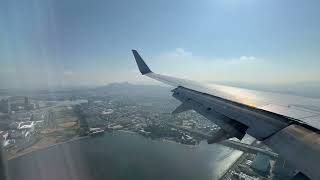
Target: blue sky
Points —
{"points": [[47, 43]]}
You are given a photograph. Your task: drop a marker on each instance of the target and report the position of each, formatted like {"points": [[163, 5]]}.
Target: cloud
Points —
{"points": [[176, 54], [247, 58], [68, 73], [182, 63], [182, 54], [243, 60], [243, 68]]}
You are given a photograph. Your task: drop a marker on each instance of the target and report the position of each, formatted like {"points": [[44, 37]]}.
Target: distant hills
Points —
{"points": [[133, 89], [307, 89]]}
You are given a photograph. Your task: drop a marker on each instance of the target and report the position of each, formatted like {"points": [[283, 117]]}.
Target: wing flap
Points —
{"points": [[234, 118]]}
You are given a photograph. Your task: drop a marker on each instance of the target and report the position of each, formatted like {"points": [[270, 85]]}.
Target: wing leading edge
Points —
{"points": [[277, 120]]}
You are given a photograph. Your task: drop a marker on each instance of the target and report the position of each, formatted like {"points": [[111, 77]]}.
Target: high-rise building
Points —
{"points": [[26, 103], [4, 106]]}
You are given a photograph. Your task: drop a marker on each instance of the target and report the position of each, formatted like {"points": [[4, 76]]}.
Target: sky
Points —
{"points": [[52, 43]]}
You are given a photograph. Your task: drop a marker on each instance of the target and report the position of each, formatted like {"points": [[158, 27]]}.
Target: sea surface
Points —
{"points": [[123, 156]]}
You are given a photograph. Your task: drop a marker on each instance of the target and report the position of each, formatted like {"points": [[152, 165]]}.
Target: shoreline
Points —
{"points": [[76, 138]]}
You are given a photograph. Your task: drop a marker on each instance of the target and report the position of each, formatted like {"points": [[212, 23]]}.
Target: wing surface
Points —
{"points": [[301, 109]]}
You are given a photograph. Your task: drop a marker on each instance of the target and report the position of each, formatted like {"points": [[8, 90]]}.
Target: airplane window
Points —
{"points": [[161, 90]]}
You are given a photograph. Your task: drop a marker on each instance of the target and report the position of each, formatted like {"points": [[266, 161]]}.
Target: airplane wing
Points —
{"points": [[290, 125]]}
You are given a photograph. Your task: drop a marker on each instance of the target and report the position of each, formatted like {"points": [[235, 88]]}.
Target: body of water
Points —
{"points": [[123, 156]]}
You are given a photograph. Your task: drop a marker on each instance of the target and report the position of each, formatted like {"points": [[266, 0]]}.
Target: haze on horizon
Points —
{"points": [[48, 43]]}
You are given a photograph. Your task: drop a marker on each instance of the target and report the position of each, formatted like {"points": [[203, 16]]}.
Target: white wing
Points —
{"points": [[288, 124]]}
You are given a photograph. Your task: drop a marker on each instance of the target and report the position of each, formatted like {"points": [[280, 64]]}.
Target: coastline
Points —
{"points": [[47, 147]]}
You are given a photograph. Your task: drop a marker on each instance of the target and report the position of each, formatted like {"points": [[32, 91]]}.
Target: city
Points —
{"points": [[38, 121]]}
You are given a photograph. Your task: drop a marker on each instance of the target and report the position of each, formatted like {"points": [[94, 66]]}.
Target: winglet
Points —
{"points": [[144, 69]]}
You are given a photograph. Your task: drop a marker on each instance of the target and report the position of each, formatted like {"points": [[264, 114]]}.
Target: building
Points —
{"points": [[4, 106], [17, 103]]}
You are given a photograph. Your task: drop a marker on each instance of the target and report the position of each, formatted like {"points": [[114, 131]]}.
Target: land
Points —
{"points": [[41, 119]]}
